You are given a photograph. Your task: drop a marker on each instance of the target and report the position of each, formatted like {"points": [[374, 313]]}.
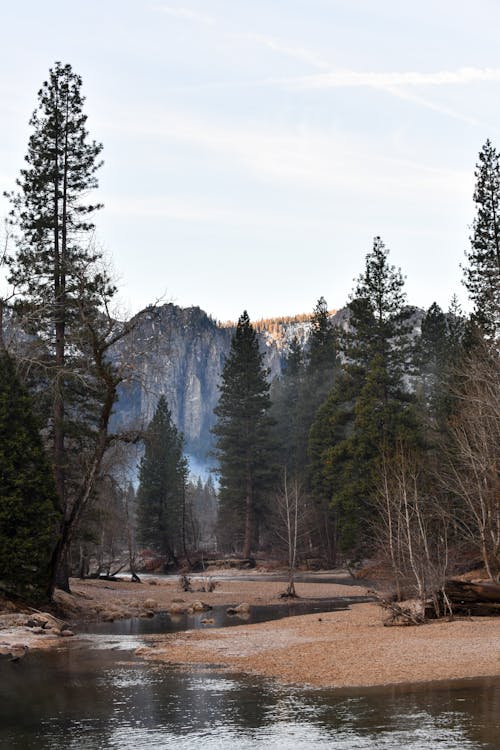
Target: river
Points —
{"points": [[93, 694]]}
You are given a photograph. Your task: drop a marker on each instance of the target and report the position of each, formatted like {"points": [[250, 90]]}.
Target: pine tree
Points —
{"points": [[162, 486], [369, 406], [54, 253], [323, 342], [244, 447], [321, 371], [286, 392], [482, 276], [28, 501], [440, 351], [308, 376], [63, 294]]}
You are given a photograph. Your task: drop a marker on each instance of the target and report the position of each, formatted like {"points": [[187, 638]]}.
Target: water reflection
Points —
{"points": [[87, 699], [164, 622]]}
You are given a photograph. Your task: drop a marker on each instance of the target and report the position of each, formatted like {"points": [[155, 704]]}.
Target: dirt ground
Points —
{"points": [[335, 649], [104, 600]]}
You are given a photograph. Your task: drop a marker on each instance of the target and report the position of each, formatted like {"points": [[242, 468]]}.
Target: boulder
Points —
{"points": [[240, 609], [38, 621]]}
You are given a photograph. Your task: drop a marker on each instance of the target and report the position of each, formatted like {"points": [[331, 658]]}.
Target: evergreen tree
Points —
{"points": [[54, 253], [28, 501], [162, 486], [440, 351], [307, 378], [243, 445], [286, 393], [369, 405], [323, 342], [482, 276], [320, 373], [63, 294]]}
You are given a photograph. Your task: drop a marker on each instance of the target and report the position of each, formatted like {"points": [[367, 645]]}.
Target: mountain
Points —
{"points": [[179, 352]]}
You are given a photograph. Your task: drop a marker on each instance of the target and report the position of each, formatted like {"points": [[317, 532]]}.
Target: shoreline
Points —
{"points": [[335, 649], [340, 650]]}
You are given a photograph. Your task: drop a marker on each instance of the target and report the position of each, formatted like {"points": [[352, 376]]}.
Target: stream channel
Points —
{"points": [[92, 693]]}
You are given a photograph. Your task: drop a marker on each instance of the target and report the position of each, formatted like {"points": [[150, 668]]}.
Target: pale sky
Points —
{"points": [[253, 148]]}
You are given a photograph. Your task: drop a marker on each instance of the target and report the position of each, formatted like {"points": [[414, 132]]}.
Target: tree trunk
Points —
{"points": [[249, 519], [60, 564], [2, 339]]}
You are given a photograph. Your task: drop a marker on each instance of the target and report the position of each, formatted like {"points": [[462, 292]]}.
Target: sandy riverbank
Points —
{"points": [[102, 600], [337, 649], [98, 600], [342, 649]]}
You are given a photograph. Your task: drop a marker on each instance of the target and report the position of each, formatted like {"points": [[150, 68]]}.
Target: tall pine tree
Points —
{"points": [[369, 406], [286, 392], [162, 486], [308, 376], [440, 352], [54, 252], [63, 293], [243, 445], [323, 341], [482, 275]]}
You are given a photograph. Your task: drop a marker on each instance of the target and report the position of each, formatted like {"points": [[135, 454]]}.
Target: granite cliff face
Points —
{"points": [[179, 352]]}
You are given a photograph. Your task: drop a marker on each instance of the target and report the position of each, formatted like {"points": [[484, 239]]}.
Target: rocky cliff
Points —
{"points": [[180, 353]]}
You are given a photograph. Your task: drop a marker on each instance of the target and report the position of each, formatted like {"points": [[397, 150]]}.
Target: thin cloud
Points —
{"points": [[296, 52], [319, 158], [434, 106], [302, 54], [184, 14], [351, 78]]}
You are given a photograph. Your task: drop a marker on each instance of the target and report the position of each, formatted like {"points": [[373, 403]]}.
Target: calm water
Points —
{"points": [[92, 698], [168, 623], [94, 694]]}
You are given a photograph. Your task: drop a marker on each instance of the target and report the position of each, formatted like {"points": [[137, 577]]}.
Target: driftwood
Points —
{"points": [[468, 598], [456, 598], [397, 613]]}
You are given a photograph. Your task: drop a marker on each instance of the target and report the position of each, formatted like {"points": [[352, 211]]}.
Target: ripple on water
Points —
{"points": [[84, 698]]}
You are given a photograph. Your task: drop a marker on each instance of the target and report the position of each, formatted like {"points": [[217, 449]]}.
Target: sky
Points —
{"points": [[254, 148]]}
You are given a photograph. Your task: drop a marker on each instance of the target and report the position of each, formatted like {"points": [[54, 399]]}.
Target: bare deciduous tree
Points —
{"points": [[472, 471], [413, 528], [289, 524]]}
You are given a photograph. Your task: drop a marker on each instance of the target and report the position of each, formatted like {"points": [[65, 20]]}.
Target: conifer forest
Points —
{"points": [[377, 438]]}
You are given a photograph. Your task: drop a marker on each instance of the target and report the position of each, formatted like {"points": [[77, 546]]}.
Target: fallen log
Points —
{"points": [[473, 592], [473, 598]]}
